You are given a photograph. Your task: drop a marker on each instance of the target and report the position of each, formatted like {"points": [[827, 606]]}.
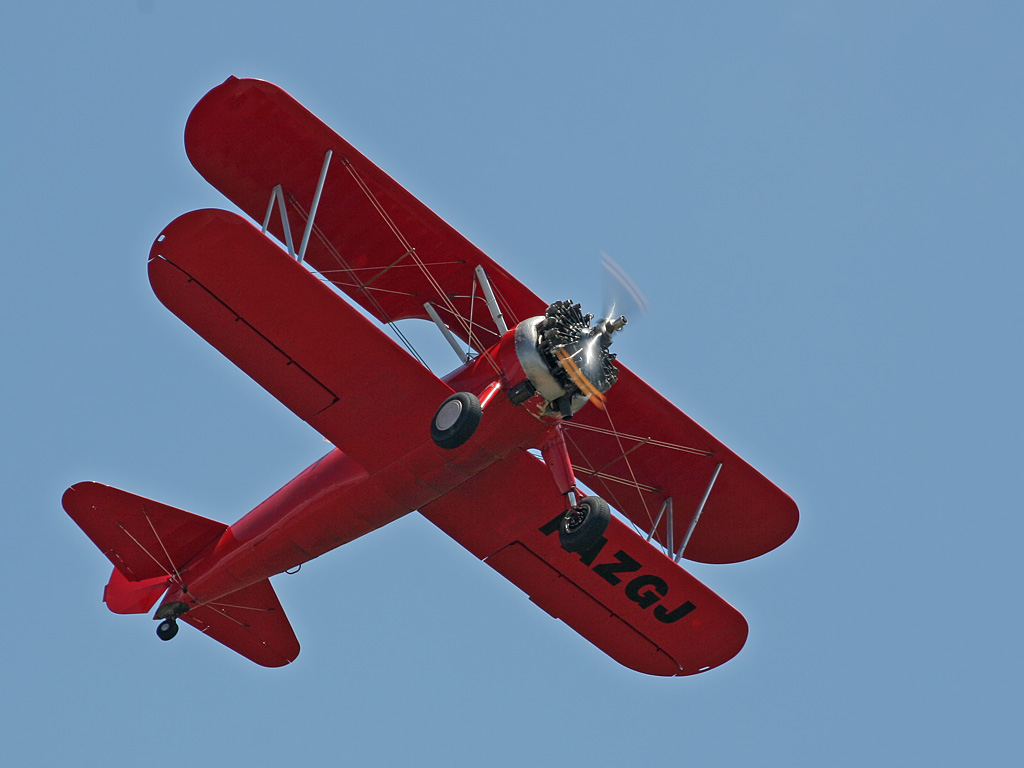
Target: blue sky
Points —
{"points": [[821, 201]]}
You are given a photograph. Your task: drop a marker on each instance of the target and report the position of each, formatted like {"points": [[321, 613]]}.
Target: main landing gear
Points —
{"points": [[456, 420], [583, 525]]}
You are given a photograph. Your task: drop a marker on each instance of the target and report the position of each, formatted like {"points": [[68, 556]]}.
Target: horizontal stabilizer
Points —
{"points": [[144, 539], [250, 622]]}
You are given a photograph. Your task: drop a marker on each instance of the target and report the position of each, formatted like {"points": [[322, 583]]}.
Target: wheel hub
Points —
{"points": [[448, 414], [575, 517]]}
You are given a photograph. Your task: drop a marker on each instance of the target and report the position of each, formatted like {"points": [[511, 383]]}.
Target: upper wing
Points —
{"points": [[295, 336], [624, 596], [372, 238], [657, 452]]}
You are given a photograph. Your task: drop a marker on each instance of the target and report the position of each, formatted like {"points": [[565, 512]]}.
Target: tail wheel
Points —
{"points": [[583, 525], [456, 420], [167, 629]]}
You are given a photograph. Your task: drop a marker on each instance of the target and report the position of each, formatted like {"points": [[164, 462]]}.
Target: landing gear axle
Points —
{"points": [[583, 525]]}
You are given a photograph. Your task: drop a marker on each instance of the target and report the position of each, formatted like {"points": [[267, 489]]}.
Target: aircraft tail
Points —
{"points": [[148, 543]]}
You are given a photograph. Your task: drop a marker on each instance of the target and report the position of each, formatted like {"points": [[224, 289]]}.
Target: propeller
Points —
{"points": [[581, 349], [569, 364], [621, 294]]}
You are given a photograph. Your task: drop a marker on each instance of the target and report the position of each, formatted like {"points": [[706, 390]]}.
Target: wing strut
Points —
{"points": [[445, 332], [492, 306], [316, 204], [485, 284], [696, 515], [277, 193], [665, 505]]}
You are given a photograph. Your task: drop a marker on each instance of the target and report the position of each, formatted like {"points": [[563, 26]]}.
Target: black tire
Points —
{"points": [[456, 420], [167, 629], [584, 525]]}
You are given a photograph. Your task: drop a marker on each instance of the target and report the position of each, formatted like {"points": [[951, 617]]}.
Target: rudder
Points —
{"points": [[124, 596]]}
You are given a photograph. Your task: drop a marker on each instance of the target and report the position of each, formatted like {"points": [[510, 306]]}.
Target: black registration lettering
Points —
{"points": [[587, 556], [626, 564], [548, 528], [646, 590], [664, 616]]}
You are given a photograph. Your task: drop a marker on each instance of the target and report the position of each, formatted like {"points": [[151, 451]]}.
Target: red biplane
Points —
{"points": [[489, 453]]}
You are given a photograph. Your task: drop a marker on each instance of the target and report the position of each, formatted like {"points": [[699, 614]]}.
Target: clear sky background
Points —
{"points": [[824, 203]]}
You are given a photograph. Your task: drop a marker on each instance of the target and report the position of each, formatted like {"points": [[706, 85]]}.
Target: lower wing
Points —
{"points": [[303, 343], [623, 595]]}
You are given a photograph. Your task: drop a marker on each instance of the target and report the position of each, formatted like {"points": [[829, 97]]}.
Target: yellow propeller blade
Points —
{"points": [[581, 381]]}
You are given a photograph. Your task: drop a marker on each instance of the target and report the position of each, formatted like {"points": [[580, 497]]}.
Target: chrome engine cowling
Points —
{"points": [[542, 344]]}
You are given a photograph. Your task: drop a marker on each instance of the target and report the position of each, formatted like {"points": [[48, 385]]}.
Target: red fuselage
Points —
{"points": [[335, 500]]}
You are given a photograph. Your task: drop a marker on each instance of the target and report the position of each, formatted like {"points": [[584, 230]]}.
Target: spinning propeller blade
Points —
{"points": [[579, 379], [621, 295], [580, 348]]}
